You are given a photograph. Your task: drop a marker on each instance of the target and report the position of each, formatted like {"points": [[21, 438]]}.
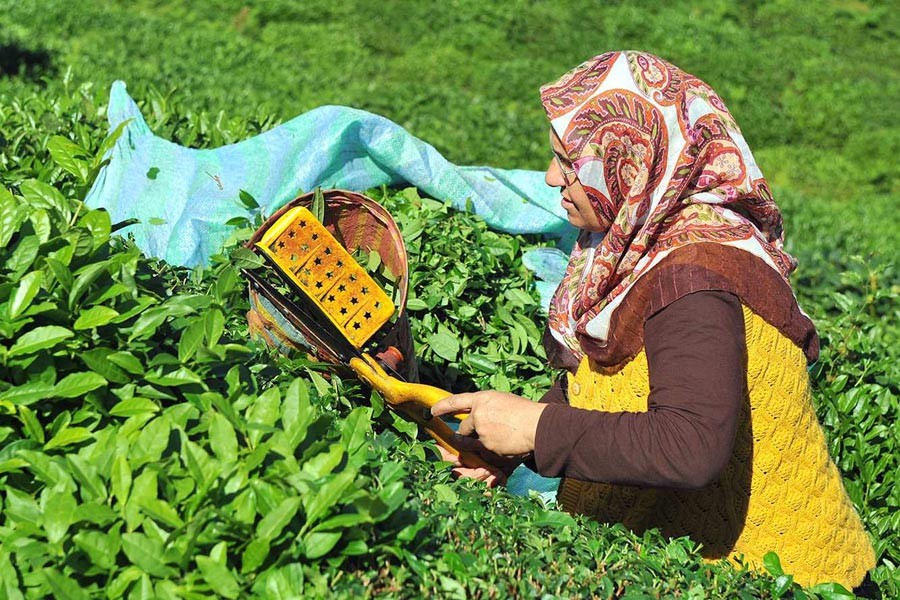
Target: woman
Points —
{"points": [[686, 405]]}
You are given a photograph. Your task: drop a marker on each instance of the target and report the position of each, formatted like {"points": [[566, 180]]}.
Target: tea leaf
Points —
{"points": [[772, 564], [318, 504], [69, 436], [101, 547], [25, 292], [70, 156], [444, 344], [271, 526], [555, 519], [218, 577], [32, 426], [127, 361], [320, 543], [222, 439], [95, 317], [191, 340], [58, 512], [99, 224], [28, 393], [146, 553], [42, 195], [78, 384], [134, 406], [38, 339], [317, 208], [63, 586], [254, 554], [247, 200], [214, 326]]}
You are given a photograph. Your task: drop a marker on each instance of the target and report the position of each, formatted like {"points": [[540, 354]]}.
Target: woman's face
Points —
{"points": [[574, 199]]}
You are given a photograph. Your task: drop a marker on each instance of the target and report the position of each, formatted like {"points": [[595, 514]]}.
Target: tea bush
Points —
{"points": [[147, 448]]}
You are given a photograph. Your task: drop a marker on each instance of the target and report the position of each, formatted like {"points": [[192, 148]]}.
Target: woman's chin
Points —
{"points": [[576, 221]]}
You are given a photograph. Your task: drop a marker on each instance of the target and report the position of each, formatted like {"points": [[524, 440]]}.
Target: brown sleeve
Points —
{"points": [[696, 355], [557, 394]]}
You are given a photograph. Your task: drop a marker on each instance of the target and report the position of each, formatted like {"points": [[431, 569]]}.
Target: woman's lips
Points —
{"points": [[566, 203]]}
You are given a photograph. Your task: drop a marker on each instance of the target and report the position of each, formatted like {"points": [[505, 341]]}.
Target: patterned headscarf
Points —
{"points": [[662, 160]]}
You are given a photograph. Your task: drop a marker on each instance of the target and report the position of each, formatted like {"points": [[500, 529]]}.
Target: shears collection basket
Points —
{"points": [[363, 228]]}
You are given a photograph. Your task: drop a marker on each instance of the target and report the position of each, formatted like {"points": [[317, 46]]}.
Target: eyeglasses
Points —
{"points": [[568, 174]]}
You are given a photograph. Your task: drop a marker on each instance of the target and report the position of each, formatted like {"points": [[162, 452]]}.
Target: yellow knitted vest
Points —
{"points": [[780, 490]]}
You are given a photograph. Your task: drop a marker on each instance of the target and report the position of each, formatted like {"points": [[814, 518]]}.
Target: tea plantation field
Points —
{"points": [[148, 449]]}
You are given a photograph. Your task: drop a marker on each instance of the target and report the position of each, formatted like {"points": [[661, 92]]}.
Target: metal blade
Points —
{"points": [[305, 319]]}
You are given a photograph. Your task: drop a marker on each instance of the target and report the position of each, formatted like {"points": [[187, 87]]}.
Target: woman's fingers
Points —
{"points": [[449, 457], [491, 478], [468, 444], [467, 427], [453, 404]]}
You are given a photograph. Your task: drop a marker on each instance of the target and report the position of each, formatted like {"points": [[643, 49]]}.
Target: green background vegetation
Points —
{"points": [[218, 439]]}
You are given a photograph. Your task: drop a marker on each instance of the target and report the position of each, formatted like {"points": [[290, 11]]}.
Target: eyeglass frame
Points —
{"points": [[566, 173]]}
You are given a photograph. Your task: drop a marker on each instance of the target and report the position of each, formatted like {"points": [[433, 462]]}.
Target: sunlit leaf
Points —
{"points": [[146, 553], [78, 384], [70, 156], [40, 338], [68, 436], [24, 293], [95, 317]]}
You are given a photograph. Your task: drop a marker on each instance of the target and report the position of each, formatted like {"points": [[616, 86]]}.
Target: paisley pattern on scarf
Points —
{"points": [[665, 165], [655, 77], [627, 140], [576, 85]]}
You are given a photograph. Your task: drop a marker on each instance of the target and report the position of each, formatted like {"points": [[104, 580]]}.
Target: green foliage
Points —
{"points": [[148, 449], [138, 442], [478, 324]]}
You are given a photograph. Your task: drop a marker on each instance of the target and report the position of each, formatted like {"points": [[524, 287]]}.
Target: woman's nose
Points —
{"points": [[554, 177]]}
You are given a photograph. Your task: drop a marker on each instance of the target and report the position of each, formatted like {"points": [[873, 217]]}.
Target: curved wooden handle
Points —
{"points": [[398, 392], [441, 433], [414, 400]]}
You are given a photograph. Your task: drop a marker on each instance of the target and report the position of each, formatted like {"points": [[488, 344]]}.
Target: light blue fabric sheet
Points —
{"points": [[183, 197]]}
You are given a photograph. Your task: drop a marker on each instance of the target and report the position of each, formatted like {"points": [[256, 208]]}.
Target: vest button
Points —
{"points": [[576, 389]]}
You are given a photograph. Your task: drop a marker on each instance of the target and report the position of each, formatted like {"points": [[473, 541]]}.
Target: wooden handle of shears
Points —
{"points": [[414, 400]]}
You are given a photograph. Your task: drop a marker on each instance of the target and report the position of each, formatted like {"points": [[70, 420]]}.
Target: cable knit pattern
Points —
{"points": [[780, 490]]}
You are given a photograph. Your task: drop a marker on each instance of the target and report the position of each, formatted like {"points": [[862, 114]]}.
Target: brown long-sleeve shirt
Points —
{"points": [[696, 354]]}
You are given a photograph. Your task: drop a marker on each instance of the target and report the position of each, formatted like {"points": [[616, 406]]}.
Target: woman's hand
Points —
{"points": [[492, 477], [504, 423]]}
